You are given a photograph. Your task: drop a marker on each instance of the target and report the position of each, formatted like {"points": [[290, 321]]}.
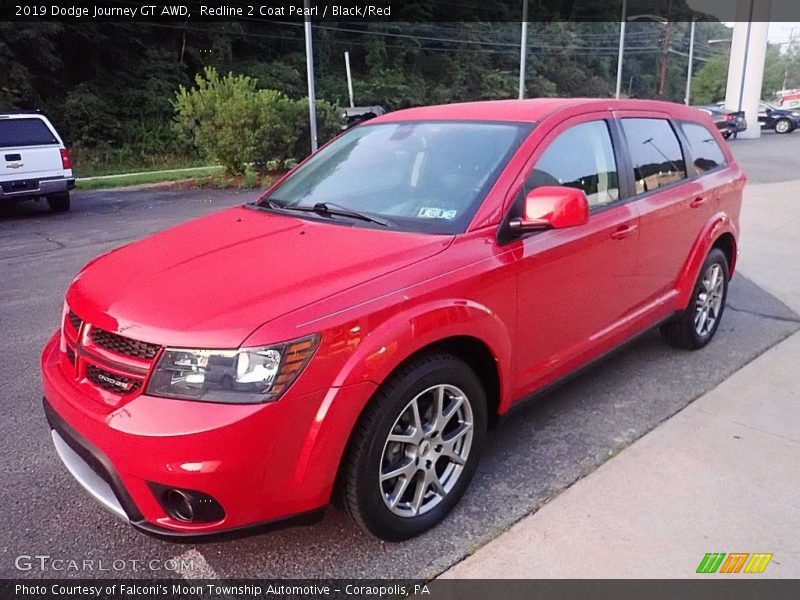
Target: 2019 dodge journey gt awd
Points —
{"points": [[355, 331]]}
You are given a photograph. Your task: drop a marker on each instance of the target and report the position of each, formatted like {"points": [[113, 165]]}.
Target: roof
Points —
{"points": [[525, 111]]}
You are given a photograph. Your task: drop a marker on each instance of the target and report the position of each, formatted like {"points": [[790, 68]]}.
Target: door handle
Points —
{"points": [[698, 202], [623, 231]]}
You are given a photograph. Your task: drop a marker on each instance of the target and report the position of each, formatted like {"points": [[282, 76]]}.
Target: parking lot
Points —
{"points": [[535, 453]]}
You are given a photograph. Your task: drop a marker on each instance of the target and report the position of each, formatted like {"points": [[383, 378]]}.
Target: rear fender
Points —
{"points": [[718, 225]]}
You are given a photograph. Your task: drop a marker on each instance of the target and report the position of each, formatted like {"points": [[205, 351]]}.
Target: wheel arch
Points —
{"points": [[727, 243], [719, 233], [473, 351]]}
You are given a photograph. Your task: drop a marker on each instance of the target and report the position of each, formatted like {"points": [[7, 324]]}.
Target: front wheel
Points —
{"points": [[783, 126], [696, 325], [415, 448]]}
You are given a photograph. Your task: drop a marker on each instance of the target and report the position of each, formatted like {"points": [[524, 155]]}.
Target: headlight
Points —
{"points": [[243, 376]]}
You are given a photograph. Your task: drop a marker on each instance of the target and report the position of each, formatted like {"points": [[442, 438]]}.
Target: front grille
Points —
{"points": [[111, 381], [74, 320], [122, 345], [71, 355]]}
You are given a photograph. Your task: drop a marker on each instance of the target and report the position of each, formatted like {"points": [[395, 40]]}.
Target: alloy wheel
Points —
{"points": [[426, 450], [782, 126], [709, 300]]}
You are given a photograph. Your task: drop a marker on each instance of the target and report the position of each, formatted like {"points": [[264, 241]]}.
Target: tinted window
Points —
{"points": [[706, 153], [655, 152], [421, 176], [25, 132], [582, 157]]}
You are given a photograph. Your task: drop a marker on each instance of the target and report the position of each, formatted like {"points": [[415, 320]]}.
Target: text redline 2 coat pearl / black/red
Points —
{"points": [[356, 330]]}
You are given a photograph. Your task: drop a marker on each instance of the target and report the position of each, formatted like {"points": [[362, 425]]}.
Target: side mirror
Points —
{"points": [[552, 207]]}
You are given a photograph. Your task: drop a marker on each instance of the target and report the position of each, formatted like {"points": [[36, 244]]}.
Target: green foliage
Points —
{"points": [[708, 84], [223, 117], [230, 120], [249, 179], [110, 87]]}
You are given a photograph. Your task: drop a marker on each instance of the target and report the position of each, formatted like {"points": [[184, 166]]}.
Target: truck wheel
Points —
{"points": [[415, 448], [696, 325], [59, 202]]}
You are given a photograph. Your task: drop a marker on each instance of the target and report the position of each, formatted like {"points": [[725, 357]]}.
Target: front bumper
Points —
{"points": [[262, 463], [29, 188]]}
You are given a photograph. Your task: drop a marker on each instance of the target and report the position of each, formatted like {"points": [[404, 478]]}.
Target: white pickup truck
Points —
{"points": [[33, 161]]}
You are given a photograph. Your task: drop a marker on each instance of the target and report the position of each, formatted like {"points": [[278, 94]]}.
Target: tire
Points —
{"points": [[365, 492], [783, 126], [690, 330], [726, 135], [59, 202]]}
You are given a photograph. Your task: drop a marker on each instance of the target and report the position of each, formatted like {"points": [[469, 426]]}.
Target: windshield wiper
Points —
{"points": [[330, 208]]}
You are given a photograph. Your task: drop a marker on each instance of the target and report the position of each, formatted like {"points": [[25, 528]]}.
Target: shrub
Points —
{"points": [[249, 180], [222, 117], [233, 122]]}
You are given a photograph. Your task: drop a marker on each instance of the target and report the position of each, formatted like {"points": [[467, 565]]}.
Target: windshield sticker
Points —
{"points": [[427, 212]]}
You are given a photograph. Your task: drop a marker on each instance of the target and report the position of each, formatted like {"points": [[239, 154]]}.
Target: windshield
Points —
{"points": [[419, 176]]}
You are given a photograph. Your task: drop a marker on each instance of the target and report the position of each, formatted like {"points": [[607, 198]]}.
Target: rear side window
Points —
{"points": [[655, 152], [25, 132], [582, 157], [706, 152]]}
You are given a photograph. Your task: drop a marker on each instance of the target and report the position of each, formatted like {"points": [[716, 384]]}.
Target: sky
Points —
{"points": [[781, 32]]}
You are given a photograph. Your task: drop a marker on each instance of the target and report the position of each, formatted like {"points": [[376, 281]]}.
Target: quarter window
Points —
{"points": [[706, 153], [655, 152], [582, 157]]}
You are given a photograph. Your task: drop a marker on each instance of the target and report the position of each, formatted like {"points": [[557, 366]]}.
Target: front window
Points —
{"points": [[425, 176]]}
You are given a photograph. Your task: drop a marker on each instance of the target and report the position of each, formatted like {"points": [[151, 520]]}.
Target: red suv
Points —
{"points": [[356, 330]]}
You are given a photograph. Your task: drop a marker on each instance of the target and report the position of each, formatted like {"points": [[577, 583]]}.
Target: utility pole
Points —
{"points": [[786, 72], [312, 96], [691, 64], [523, 49], [621, 46], [349, 77]]}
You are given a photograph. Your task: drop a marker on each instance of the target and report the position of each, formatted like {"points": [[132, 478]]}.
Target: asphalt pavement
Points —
{"points": [[534, 454]]}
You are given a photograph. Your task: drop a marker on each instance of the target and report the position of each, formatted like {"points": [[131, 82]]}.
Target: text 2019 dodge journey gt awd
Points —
{"points": [[354, 331]]}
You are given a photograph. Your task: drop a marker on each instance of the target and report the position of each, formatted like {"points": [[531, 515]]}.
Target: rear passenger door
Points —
{"points": [[672, 209]]}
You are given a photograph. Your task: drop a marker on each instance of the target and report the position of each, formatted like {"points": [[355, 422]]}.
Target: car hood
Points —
{"points": [[212, 281]]}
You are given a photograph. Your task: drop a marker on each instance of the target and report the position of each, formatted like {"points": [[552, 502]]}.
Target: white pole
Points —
{"points": [[621, 47], [691, 65], [349, 77], [523, 46], [312, 98]]}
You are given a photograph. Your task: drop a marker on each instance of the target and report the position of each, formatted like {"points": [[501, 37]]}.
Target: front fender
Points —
{"points": [[409, 331], [373, 361], [719, 224]]}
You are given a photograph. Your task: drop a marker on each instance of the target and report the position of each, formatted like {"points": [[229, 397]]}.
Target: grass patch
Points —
{"points": [[144, 177]]}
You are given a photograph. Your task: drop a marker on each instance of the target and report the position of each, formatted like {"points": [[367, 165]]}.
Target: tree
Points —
{"points": [[708, 84]]}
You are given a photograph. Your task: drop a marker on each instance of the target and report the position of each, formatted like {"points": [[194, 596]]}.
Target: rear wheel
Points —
{"points": [[783, 126], [59, 202], [695, 326], [415, 448]]}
